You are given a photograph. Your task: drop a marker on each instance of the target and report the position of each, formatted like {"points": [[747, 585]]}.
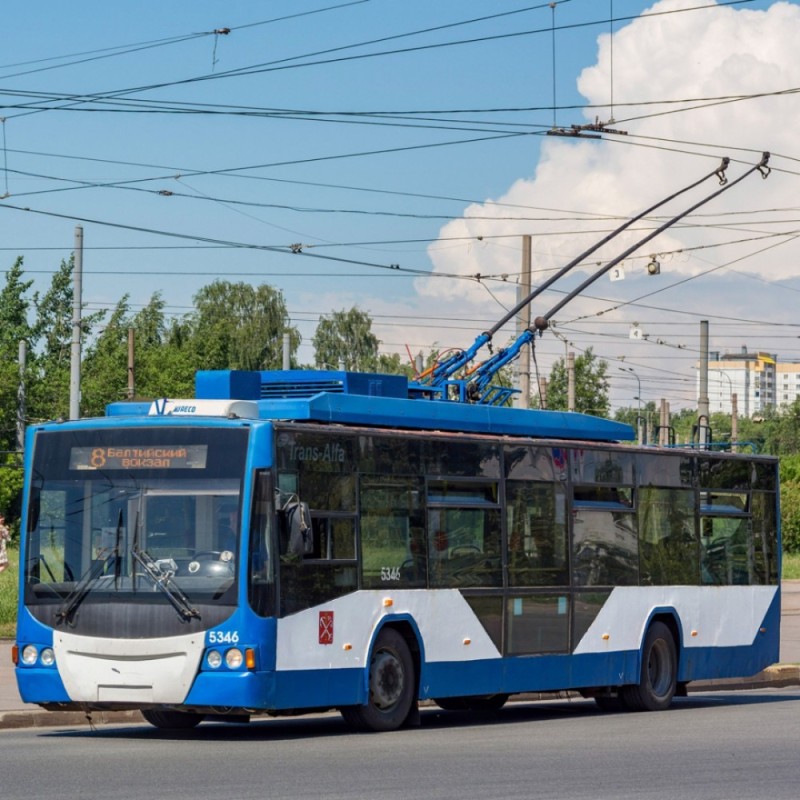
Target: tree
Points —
{"points": [[14, 327], [48, 395], [591, 385], [164, 357], [238, 326], [345, 340], [105, 366]]}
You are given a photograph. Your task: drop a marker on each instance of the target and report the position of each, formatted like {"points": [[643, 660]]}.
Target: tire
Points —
{"points": [[480, 704], [610, 702], [173, 720], [392, 686], [487, 703], [658, 677], [452, 703]]}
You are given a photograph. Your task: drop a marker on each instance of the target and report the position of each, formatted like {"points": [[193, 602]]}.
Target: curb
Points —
{"points": [[37, 718], [776, 677]]}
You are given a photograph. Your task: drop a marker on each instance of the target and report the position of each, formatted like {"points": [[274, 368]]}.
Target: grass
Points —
{"points": [[791, 566], [9, 580]]}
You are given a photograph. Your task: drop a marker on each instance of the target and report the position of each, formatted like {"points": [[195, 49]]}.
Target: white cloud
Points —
{"points": [[718, 52]]}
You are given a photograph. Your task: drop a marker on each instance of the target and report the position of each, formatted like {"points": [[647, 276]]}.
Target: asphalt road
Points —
{"points": [[737, 745]]}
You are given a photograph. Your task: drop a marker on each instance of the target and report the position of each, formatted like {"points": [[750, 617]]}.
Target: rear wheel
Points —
{"points": [[658, 677], [173, 720], [392, 685]]}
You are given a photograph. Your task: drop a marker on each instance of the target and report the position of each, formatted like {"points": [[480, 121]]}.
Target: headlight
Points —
{"points": [[213, 659], [48, 657], [234, 658], [29, 654]]}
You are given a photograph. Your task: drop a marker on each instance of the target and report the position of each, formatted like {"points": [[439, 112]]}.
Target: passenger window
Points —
{"points": [[463, 534], [669, 550], [393, 550], [537, 534], [605, 546], [726, 558]]}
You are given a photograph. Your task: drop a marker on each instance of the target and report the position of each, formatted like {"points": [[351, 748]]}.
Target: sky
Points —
{"points": [[391, 155]]}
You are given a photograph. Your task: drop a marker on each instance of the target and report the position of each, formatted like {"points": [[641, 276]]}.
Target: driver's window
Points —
{"points": [[170, 523]]}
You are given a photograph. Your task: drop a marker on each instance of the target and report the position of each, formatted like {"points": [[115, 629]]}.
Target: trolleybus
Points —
{"points": [[291, 541]]}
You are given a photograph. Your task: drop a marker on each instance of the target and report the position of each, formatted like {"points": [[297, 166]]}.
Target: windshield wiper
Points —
{"points": [[90, 577], [163, 580]]}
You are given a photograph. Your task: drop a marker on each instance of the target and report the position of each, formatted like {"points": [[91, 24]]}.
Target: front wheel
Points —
{"points": [[658, 676], [392, 684]]}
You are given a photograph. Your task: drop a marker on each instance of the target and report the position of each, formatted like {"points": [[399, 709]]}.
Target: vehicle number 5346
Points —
{"points": [[390, 573], [223, 637]]}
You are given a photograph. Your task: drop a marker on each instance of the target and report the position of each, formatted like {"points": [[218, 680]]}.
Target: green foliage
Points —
{"points": [[10, 489], [13, 328], [9, 592], [791, 566], [345, 340], [790, 516], [239, 326], [591, 385]]}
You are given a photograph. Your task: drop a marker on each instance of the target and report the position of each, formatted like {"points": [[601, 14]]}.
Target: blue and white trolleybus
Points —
{"points": [[295, 540]]}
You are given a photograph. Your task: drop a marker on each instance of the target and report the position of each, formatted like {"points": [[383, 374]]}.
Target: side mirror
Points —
{"points": [[298, 525]]}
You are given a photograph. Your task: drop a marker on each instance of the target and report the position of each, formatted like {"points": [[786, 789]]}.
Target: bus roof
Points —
{"points": [[366, 399]]}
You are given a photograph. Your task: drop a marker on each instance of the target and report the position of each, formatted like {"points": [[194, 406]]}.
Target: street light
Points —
{"points": [[730, 385], [638, 398]]}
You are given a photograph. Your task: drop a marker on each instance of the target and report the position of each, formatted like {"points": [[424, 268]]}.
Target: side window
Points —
{"points": [[725, 538], [765, 539], [463, 534], [537, 534], [604, 539], [393, 551], [261, 589], [317, 469], [669, 550]]}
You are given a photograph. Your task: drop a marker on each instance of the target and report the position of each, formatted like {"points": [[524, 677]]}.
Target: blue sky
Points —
{"points": [[189, 156]]}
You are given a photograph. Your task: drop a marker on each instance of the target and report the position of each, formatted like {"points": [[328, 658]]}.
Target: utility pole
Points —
{"points": [[703, 414], [570, 381], [734, 420], [131, 363], [21, 410], [523, 399], [75, 350], [287, 350]]}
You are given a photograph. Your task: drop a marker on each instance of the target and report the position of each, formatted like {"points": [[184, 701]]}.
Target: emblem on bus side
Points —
{"points": [[326, 627]]}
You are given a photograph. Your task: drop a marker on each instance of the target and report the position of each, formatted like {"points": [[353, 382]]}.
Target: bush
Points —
{"points": [[790, 516], [9, 579]]}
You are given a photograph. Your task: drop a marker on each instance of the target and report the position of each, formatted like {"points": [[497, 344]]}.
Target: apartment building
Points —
{"points": [[756, 378]]}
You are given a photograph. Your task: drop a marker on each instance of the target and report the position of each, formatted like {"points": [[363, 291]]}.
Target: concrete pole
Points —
{"points": [[571, 381], [287, 350], [21, 410], [523, 399], [703, 412], [734, 420], [75, 350]]}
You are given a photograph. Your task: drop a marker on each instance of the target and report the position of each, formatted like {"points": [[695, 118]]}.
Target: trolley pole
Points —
{"points": [[523, 323], [21, 409]]}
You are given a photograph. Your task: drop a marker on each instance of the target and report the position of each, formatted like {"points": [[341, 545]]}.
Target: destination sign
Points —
{"points": [[133, 457]]}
